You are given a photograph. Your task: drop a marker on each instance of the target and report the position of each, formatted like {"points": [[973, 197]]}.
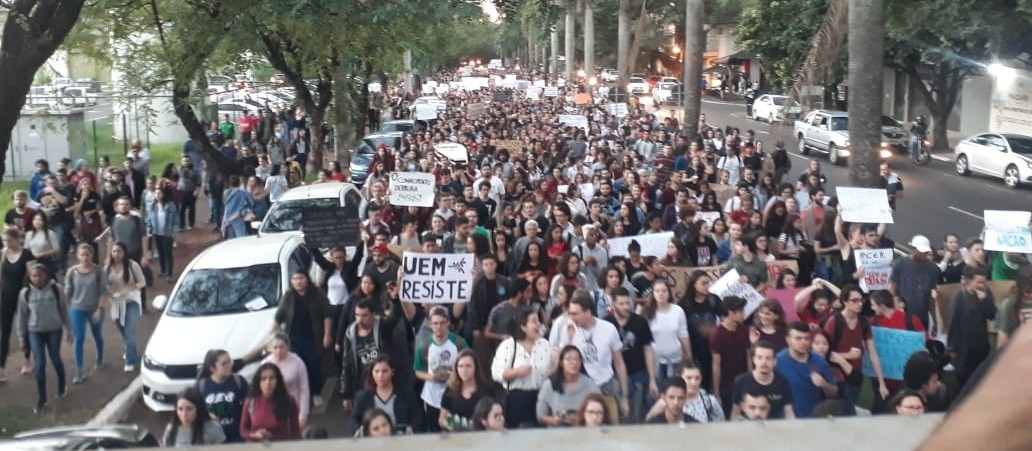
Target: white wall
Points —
{"points": [[975, 105], [1011, 102], [48, 136]]}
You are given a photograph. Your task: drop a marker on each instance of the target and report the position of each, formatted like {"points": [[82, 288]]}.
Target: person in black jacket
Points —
{"points": [[972, 306], [407, 414], [371, 336]]}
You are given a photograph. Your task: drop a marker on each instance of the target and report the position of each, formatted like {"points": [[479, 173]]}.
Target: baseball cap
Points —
{"points": [[921, 243]]}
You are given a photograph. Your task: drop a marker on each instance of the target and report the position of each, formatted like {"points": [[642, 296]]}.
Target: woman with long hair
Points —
{"points": [[86, 292], [125, 279], [192, 425], [629, 218], [702, 311], [162, 222], [223, 392], [719, 232], [700, 247], [42, 317], [501, 248], [699, 403], [774, 219], [489, 415], [270, 413], [465, 387], [336, 173], [568, 273], [13, 273], [304, 304], [556, 246], [674, 253], [566, 389], [368, 288], [295, 374], [376, 423], [769, 325], [609, 279], [380, 389], [669, 329], [534, 263], [815, 302], [43, 242], [594, 411], [522, 365]]}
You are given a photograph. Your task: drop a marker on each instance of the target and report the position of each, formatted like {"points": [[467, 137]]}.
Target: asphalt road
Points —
{"points": [[937, 200]]}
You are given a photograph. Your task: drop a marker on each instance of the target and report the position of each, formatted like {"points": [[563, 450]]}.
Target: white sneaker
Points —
{"points": [[317, 401], [129, 368]]}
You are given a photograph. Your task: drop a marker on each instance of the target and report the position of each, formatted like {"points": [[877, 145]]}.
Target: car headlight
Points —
{"points": [[151, 364], [885, 153], [885, 144]]}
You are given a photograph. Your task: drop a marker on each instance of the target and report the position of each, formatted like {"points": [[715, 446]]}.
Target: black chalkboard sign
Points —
{"points": [[502, 96], [330, 227]]}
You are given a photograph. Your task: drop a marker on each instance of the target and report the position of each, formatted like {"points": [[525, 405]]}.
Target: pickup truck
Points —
{"points": [[827, 131]]}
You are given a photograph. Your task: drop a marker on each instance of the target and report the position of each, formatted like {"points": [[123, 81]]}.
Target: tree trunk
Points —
{"points": [[589, 38], [632, 52], [343, 126], [940, 94], [623, 37], [866, 53], [184, 111], [553, 67], [33, 30], [571, 34], [694, 46]]}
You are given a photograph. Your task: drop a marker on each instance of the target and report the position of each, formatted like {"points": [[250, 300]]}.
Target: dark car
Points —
{"points": [[113, 436], [403, 125], [363, 154]]}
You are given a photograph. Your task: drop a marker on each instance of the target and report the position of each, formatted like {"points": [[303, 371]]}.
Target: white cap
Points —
{"points": [[921, 243]]}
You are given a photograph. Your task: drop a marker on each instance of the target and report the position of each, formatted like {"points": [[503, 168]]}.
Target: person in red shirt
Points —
{"points": [[851, 337], [269, 412], [729, 345], [815, 302], [887, 315]]}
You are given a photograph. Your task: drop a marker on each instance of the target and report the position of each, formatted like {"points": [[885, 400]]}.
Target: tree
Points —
{"points": [[781, 32], [694, 46], [866, 51], [34, 29], [589, 37]]}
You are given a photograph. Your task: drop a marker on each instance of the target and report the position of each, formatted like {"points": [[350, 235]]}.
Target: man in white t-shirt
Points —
{"points": [[434, 361], [600, 347]]}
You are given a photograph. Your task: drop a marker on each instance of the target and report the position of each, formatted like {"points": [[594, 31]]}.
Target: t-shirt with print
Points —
{"points": [[779, 393], [366, 350], [225, 402], [1006, 319], [597, 346], [851, 338], [430, 357], [634, 336]]}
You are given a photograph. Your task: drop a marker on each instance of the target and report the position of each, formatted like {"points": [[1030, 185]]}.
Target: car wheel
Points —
{"points": [[1011, 178], [802, 146], [962, 165], [833, 157]]}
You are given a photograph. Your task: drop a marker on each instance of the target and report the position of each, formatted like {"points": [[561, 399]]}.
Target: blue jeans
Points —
{"points": [[308, 350], [64, 245], [80, 319], [42, 344], [128, 331], [850, 394], [639, 398]]}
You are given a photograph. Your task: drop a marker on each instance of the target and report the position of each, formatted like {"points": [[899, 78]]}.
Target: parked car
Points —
{"points": [[827, 131], [454, 152], [1001, 155], [637, 85], [225, 299], [667, 91], [285, 214], [362, 155], [77, 96], [109, 436], [403, 125], [610, 75], [773, 108]]}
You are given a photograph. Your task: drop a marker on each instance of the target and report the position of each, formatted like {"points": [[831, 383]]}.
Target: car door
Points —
{"points": [[820, 131], [994, 158], [975, 149]]}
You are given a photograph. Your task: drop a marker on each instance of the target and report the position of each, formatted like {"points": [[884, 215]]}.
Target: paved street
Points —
{"points": [[937, 200]]}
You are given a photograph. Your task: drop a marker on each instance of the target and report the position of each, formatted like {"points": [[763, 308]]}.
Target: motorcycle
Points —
{"points": [[920, 149]]}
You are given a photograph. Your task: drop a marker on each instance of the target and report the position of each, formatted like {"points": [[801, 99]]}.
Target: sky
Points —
{"points": [[489, 9]]}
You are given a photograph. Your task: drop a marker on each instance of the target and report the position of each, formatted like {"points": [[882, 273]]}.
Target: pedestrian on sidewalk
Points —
{"points": [[125, 281], [13, 270], [223, 392], [42, 315], [162, 221], [270, 413], [86, 292], [191, 424]]}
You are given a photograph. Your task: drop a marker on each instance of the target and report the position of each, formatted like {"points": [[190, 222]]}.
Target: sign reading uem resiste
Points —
{"points": [[436, 278]]}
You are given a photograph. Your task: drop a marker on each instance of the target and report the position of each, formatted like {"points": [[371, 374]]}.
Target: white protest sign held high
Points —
{"points": [[730, 284], [708, 216], [574, 120], [551, 91], [412, 189], [654, 244], [436, 278], [539, 83], [1008, 231], [865, 205], [617, 109], [532, 94], [587, 191], [426, 111], [877, 265]]}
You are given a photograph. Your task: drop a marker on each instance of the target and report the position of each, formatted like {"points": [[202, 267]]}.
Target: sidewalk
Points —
{"points": [[85, 400]]}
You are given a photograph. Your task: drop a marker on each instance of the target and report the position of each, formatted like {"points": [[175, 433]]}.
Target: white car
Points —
{"points": [[772, 108], [665, 90], [637, 85], [285, 214], [1001, 155], [455, 152], [610, 75], [226, 299]]}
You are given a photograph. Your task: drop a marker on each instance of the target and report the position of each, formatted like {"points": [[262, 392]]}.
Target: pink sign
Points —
{"points": [[785, 297]]}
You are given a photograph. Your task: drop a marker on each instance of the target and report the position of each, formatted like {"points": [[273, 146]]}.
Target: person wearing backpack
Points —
{"points": [[42, 314], [223, 391], [86, 292], [851, 337]]}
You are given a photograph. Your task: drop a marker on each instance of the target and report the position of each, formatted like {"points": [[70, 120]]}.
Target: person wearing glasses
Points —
{"points": [[850, 336]]}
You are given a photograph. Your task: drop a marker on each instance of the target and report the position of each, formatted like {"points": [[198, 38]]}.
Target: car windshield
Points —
{"points": [[839, 123], [779, 101], [369, 145], [397, 127], [285, 216], [887, 121], [1020, 144], [637, 80], [206, 292]]}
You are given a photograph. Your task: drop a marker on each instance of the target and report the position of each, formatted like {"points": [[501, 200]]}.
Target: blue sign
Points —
{"points": [[894, 348]]}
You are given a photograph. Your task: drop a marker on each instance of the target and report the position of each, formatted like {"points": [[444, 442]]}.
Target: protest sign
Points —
{"points": [[426, 112], [514, 146], [582, 99], [574, 120], [894, 349], [1001, 289], [1008, 231], [730, 284], [501, 96], [708, 216], [539, 83], [775, 267], [723, 192], [477, 110], [617, 109], [412, 189], [532, 94], [587, 191], [678, 277], [436, 278], [551, 91], [785, 297], [654, 244], [523, 84], [877, 265], [330, 227], [864, 205], [441, 90]]}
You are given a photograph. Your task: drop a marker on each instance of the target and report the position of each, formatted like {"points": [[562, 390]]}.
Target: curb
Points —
{"points": [[118, 407]]}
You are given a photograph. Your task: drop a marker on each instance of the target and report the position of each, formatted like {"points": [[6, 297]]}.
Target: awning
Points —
{"points": [[736, 57]]}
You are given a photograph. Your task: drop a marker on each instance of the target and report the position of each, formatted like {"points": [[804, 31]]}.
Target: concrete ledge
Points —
{"points": [[115, 410]]}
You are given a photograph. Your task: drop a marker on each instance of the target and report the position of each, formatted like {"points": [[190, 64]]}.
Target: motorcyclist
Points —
{"points": [[918, 131]]}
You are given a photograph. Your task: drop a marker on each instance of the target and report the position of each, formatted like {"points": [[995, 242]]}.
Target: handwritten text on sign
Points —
{"points": [[1008, 231], [864, 205], [412, 189], [731, 285], [877, 265], [437, 278]]}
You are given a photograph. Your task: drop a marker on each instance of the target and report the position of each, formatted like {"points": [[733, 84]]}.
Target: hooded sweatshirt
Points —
{"points": [[41, 309]]}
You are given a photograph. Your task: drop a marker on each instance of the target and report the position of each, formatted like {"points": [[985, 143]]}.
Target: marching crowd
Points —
{"points": [[560, 330]]}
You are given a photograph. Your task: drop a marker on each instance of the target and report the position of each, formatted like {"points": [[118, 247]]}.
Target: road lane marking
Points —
{"points": [[719, 102], [763, 131], [943, 159], [965, 212]]}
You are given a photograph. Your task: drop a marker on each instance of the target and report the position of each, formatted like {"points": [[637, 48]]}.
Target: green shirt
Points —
{"points": [[755, 271], [228, 129]]}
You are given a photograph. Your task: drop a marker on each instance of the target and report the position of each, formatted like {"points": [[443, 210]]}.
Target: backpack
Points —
{"points": [[53, 286], [856, 377]]}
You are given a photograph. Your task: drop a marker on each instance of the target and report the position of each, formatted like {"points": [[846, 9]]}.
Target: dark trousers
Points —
{"points": [[43, 344], [8, 310], [187, 209], [521, 409], [164, 245], [308, 351], [433, 414], [968, 363]]}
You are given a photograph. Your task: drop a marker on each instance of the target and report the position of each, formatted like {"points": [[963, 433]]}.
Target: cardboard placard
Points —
{"points": [[894, 348], [412, 189], [436, 278], [654, 244], [330, 227], [1008, 231], [477, 110], [877, 265], [514, 146], [865, 205], [730, 284], [723, 192], [1001, 289], [678, 276]]}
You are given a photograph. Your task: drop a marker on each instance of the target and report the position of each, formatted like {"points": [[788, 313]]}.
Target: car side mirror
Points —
{"points": [[256, 225], [1001, 148], [159, 302]]}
